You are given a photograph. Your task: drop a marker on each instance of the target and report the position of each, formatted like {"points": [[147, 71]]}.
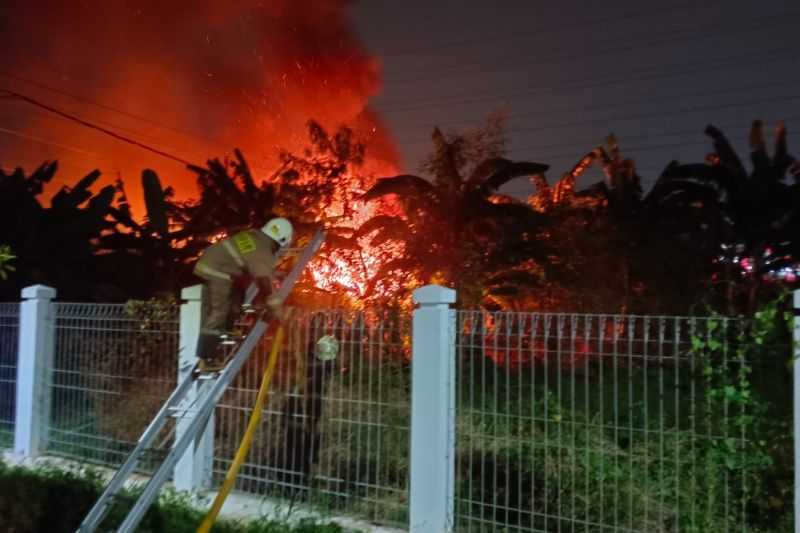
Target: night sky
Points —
{"points": [[566, 73]]}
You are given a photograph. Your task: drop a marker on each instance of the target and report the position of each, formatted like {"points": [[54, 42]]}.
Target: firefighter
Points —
{"points": [[247, 253]]}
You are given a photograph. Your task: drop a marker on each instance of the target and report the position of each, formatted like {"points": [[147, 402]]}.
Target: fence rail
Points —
{"points": [[563, 422], [9, 337], [114, 365], [334, 433], [596, 423]]}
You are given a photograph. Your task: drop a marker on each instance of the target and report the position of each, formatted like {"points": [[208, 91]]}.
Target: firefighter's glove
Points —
{"points": [[264, 288]]}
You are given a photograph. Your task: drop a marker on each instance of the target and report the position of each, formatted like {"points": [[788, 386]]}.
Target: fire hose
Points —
{"points": [[247, 439]]}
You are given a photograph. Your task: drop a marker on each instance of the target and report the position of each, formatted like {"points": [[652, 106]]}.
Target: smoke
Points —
{"points": [[194, 78]]}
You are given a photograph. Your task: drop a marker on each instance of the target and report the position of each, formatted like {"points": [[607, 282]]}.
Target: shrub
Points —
{"points": [[55, 501]]}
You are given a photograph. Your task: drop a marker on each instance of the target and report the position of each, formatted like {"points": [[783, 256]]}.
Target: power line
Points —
{"points": [[591, 83], [66, 162], [543, 30], [656, 114], [40, 140], [612, 121], [46, 142], [616, 104], [106, 107], [617, 78], [89, 163], [651, 99], [595, 140], [557, 55], [42, 116], [101, 129], [627, 150], [572, 157]]}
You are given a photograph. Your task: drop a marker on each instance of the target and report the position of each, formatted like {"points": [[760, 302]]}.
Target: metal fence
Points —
{"points": [[114, 365], [597, 423], [9, 336], [334, 433], [563, 422]]}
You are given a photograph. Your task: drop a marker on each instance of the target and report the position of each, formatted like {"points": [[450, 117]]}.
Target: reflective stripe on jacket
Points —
{"points": [[246, 252], [205, 272]]}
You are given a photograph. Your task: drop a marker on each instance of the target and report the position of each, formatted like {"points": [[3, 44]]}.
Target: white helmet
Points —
{"points": [[279, 230], [327, 348]]}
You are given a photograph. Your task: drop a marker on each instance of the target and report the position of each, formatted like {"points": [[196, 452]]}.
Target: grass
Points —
{"points": [[618, 447], [599, 446], [551, 452], [54, 501]]}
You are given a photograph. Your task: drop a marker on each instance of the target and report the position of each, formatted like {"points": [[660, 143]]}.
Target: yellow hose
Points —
{"points": [[247, 440]]}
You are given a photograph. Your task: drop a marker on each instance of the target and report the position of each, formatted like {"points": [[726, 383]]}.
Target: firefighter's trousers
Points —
{"points": [[220, 305]]}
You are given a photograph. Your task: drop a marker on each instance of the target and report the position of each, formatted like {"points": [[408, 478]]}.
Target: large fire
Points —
{"points": [[350, 270], [194, 80]]}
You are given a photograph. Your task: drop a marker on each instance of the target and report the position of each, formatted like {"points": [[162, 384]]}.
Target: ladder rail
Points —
{"points": [[209, 402], [103, 504], [195, 428], [208, 396], [308, 252]]}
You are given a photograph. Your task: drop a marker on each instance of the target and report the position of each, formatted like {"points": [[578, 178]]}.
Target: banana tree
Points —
{"points": [[454, 228], [54, 244], [749, 221], [150, 252], [6, 258], [618, 248]]}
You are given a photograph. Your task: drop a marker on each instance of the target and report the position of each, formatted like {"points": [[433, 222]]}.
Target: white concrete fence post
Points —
{"points": [[432, 411], [796, 409], [34, 362], [194, 469]]}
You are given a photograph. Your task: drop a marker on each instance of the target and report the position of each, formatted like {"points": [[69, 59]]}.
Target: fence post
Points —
{"points": [[194, 469], [432, 411], [34, 361], [796, 409]]}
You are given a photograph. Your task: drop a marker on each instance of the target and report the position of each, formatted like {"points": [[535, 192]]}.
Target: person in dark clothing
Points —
{"points": [[302, 412]]}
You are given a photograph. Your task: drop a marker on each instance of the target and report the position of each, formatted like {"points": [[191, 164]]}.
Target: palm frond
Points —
{"points": [[154, 202], [727, 154], [401, 185], [493, 173]]}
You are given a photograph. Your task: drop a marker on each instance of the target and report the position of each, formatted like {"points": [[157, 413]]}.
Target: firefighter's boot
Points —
{"points": [[207, 353], [230, 338]]}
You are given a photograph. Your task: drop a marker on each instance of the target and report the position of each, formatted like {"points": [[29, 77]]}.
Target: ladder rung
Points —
{"points": [[201, 409], [184, 413]]}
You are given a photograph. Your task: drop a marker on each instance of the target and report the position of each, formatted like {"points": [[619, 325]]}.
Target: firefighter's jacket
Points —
{"points": [[246, 252]]}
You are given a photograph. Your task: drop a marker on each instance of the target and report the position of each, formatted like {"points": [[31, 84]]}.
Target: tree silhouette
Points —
{"points": [[152, 255], [6, 258], [614, 248], [748, 221], [55, 245], [454, 227]]}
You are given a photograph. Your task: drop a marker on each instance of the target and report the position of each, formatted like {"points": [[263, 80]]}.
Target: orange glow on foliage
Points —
{"points": [[348, 263], [218, 237], [247, 74], [350, 270]]}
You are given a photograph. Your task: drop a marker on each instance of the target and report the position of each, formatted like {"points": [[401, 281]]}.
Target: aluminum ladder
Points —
{"points": [[211, 389]]}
